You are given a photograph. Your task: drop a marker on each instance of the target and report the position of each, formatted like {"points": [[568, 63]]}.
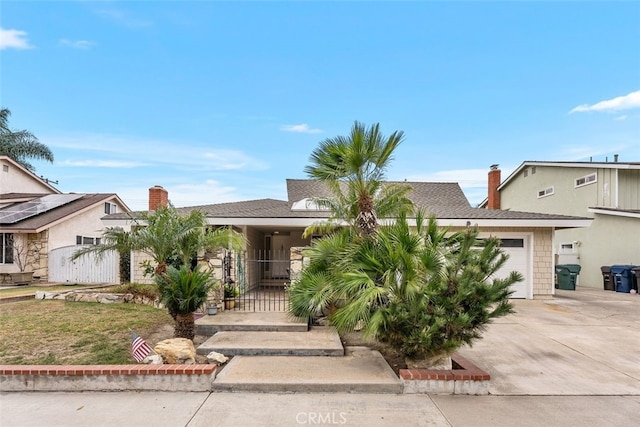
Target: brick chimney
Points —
{"points": [[158, 197], [494, 182]]}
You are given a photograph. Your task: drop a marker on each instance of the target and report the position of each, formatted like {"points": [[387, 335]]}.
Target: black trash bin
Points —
{"points": [[622, 277], [567, 276], [606, 278]]}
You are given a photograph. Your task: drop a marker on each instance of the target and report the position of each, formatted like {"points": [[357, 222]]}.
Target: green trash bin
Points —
{"points": [[567, 276]]}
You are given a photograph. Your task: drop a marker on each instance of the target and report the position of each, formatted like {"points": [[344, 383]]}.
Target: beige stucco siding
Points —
{"points": [[522, 192], [86, 224], [15, 180], [614, 246], [629, 195]]}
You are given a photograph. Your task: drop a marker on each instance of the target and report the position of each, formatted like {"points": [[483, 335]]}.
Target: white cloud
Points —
{"points": [[228, 159], [13, 39], [77, 44], [187, 194], [301, 128], [128, 149], [623, 117], [125, 19], [625, 102], [102, 164]]}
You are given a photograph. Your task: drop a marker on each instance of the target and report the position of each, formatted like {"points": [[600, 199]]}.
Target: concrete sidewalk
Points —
{"points": [[155, 409]]}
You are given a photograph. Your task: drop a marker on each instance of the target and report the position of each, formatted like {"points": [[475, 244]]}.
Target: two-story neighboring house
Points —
{"points": [[37, 223], [608, 192]]}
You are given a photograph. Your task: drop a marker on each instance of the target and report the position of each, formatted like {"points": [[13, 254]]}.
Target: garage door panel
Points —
{"points": [[516, 249]]}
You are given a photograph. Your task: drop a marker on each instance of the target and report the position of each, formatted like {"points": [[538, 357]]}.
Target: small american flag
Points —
{"points": [[139, 347]]}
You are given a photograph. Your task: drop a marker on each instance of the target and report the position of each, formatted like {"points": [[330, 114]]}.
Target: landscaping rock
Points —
{"points": [[154, 359], [218, 358], [177, 351]]}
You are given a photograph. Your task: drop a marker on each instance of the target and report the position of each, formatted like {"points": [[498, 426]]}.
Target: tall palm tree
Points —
{"points": [[353, 167], [21, 145]]}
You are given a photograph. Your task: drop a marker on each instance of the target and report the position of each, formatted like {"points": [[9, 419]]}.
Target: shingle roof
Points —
{"points": [[444, 200], [422, 193], [44, 219], [262, 208]]}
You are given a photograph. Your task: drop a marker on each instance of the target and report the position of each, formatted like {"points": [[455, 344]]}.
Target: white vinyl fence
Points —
{"points": [[86, 269]]}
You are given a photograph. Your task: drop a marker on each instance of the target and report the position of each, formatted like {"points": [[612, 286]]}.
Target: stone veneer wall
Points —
{"points": [[137, 270], [298, 262], [38, 254]]}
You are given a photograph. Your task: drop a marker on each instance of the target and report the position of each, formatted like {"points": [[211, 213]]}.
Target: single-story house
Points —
{"points": [[273, 229]]}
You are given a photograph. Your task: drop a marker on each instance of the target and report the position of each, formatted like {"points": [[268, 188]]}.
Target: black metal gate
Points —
{"points": [[261, 278]]}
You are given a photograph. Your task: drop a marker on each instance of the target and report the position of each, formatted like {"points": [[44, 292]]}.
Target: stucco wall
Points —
{"points": [[610, 240], [15, 180], [86, 224], [522, 192]]}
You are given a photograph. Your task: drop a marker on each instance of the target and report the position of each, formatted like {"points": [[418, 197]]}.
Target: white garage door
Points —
{"points": [[517, 249]]}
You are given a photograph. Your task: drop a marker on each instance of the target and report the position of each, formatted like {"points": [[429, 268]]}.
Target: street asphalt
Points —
{"points": [[570, 361]]}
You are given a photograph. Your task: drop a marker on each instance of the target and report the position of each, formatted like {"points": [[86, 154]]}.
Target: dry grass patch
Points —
{"points": [[54, 332]]}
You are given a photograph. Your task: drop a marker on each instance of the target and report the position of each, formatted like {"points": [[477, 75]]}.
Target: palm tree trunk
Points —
{"points": [[185, 326], [161, 270], [366, 220]]}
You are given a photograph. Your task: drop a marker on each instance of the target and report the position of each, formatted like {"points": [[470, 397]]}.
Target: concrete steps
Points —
{"points": [[361, 370], [249, 321], [274, 353], [318, 341]]}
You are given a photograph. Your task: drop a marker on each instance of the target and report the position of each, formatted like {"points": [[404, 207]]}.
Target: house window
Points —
{"points": [[512, 243], [84, 240], [110, 208], [566, 248], [6, 248], [5, 168], [586, 180], [546, 192], [526, 173], [533, 170]]}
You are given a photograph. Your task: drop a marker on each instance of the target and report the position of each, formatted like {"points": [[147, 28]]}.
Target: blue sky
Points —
{"points": [[222, 101]]}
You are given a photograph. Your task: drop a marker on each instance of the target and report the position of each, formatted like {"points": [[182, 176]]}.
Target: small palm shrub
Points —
{"points": [[183, 291]]}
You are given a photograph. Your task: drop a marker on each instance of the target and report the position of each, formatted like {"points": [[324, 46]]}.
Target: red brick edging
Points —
{"points": [[469, 372], [107, 369], [107, 377]]}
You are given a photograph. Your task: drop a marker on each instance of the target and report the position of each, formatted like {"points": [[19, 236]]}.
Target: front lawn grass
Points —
{"points": [[55, 332]]}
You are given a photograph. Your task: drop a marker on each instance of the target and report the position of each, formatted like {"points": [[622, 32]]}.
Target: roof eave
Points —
{"points": [[611, 212]]}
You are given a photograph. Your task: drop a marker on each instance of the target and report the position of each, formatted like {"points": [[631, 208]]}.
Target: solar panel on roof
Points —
{"points": [[21, 211]]}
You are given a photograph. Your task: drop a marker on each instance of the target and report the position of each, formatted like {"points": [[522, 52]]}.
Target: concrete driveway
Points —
{"points": [[583, 342]]}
